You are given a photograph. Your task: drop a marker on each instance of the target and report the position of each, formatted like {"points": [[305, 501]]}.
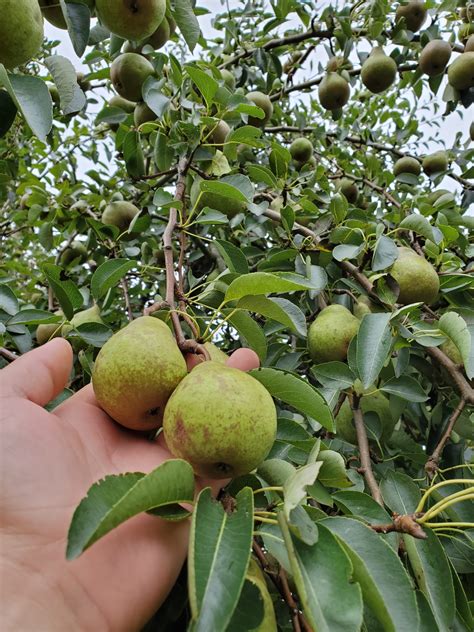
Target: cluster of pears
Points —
{"points": [[432, 164], [218, 418]]}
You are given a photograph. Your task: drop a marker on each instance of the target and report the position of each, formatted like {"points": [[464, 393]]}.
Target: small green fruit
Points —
{"points": [[364, 306], [416, 277], [263, 102], [221, 420], [434, 57], [91, 315], [469, 47], [334, 91], [123, 104], [21, 32], [82, 82], [160, 36], [143, 114], [330, 334], [136, 371], [378, 71], [219, 133], [131, 20], [128, 73], [461, 72], [119, 214], [349, 189], [375, 403], [76, 252], [301, 149], [435, 163], [229, 79], [44, 333], [414, 13], [407, 165]]}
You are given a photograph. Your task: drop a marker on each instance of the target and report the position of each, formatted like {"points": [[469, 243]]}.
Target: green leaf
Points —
{"points": [[222, 188], [294, 488], [297, 393], [218, 541], [133, 155], [248, 614], [8, 112], [385, 253], [279, 309], [323, 577], [78, 18], [433, 576], [64, 76], [32, 98], [33, 317], [385, 585], [182, 11], [405, 387], [427, 620], [249, 331], [65, 290], [373, 344], [333, 470], [257, 283], [8, 300], [109, 274], [95, 334], [420, 225], [335, 375], [233, 256], [399, 492], [117, 498], [456, 329], [347, 251], [361, 505], [205, 82], [163, 154]]}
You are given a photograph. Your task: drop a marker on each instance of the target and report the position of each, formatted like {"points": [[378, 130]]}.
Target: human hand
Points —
{"points": [[49, 461]]}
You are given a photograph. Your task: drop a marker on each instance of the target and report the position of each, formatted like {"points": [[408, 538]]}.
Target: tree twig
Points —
{"points": [[431, 465], [8, 355], [126, 297], [463, 386], [405, 523]]}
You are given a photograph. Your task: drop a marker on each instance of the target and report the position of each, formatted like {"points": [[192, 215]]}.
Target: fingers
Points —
{"points": [[244, 359], [39, 375]]}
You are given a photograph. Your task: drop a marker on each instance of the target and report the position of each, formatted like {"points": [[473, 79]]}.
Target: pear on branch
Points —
{"points": [[131, 20], [416, 277], [128, 73], [334, 91], [414, 14], [21, 32], [330, 333], [120, 214], [378, 71], [434, 57]]}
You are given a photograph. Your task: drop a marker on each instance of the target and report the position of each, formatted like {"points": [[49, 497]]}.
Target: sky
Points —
{"points": [[449, 125]]}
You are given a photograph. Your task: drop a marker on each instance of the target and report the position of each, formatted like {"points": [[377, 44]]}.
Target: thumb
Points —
{"points": [[39, 375]]}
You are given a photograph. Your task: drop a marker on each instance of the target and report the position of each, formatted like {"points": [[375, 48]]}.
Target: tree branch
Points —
{"points": [[431, 465], [405, 523], [462, 385], [8, 355], [126, 297]]}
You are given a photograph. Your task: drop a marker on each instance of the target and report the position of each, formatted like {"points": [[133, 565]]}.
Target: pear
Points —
{"points": [[143, 114], [257, 578], [471, 130], [54, 93], [364, 306], [131, 20], [136, 371], [469, 47], [407, 165], [301, 150], [434, 57], [229, 79], [414, 13], [417, 278], [162, 34], [378, 71], [435, 163], [47, 332], [82, 82], [215, 354], [76, 252], [465, 31], [53, 13], [21, 32], [461, 72], [262, 101], [123, 104], [91, 315], [333, 91], [450, 349], [221, 420], [330, 333], [119, 214], [226, 205], [374, 403], [349, 189], [219, 133], [128, 73]]}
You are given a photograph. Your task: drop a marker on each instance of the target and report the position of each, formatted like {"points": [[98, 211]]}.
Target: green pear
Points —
{"points": [[136, 371], [226, 205], [54, 92], [364, 306], [407, 165], [91, 315], [143, 114], [229, 79], [469, 47], [257, 578], [374, 403], [330, 333], [162, 34], [301, 149], [47, 332], [465, 31], [435, 163], [414, 13], [417, 278], [333, 91], [221, 420], [21, 32], [378, 71], [131, 20], [124, 104], [461, 72], [128, 73], [434, 57], [76, 252], [219, 133], [119, 214], [450, 349], [349, 189], [82, 82], [263, 102]]}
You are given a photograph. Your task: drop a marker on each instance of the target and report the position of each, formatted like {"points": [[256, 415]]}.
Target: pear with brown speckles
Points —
{"points": [[221, 420], [136, 371]]}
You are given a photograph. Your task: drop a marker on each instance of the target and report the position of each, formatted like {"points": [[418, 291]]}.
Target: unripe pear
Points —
{"points": [[21, 32], [119, 214], [349, 189], [75, 252], [263, 102], [143, 114], [461, 72], [435, 163], [407, 165], [128, 73], [91, 315], [82, 82], [364, 306], [301, 149], [378, 71], [162, 34], [469, 47], [334, 91], [414, 13], [434, 57], [417, 278], [131, 20], [330, 333], [221, 420], [47, 332], [229, 79], [375, 403], [219, 133], [136, 371], [215, 354], [124, 104]]}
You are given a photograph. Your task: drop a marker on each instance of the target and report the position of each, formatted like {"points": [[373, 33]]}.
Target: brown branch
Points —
{"points": [[431, 465], [462, 385], [364, 451], [8, 355], [405, 523], [126, 297], [160, 174], [339, 404]]}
